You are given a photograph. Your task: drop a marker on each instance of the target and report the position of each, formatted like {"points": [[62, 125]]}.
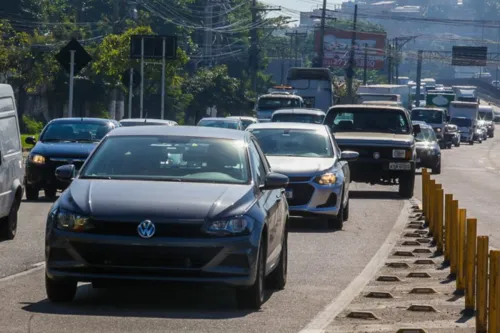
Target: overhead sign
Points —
{"points": [[82, 58], [153, 47], [469, 56], [337, 45]]}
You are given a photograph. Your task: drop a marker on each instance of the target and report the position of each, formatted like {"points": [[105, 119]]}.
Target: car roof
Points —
{"points": [[299, 111], [189, 131], [292, 96], [427, 108], [145, 120], [367, 106], [220, 119], [82, 119], [242, 118], [302, 126]]}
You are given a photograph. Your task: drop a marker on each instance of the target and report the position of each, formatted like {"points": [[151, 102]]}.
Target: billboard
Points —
{"points": [[469, 56], [337, 44]]}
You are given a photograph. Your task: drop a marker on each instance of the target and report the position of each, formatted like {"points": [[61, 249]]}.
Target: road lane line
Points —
{"points": [[323, 319], [34, 268]]}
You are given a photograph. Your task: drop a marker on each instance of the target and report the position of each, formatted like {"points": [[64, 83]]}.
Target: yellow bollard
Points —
{"points": [[470, 264], [438, 233], [448, 198], [432, 189], [494, 294], [454, 237], [427, 196], [462, 213], [424, 194], [482, 284], [435, 203]]}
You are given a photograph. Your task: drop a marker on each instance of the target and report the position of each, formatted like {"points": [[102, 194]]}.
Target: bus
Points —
{"points": [[314, 85]]}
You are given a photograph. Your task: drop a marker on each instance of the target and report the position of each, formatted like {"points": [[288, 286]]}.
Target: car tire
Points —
{"points": [[60, 291], [457, 144], [50, 193], [277, 279], [8, 225], [346, 210], [480, 141], [406, 185], [253, 297], [437, 169], [337, 223], [32, 193]]}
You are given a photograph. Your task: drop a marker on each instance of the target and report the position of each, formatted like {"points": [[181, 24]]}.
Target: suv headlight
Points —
{"points": [[235, 226], [326, 179], [37, 159], [71, 221]]}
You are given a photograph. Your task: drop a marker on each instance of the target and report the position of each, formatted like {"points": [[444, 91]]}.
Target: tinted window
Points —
{"points": [[461, 122], [428, 116], [426, 134], [168, 158], [6, 104], [294, 142], [485, 115], [75, 131], [9, 135], [247, 123], [368, 120], [257, 164], [298, 118], [278, 103], [218, 123]]}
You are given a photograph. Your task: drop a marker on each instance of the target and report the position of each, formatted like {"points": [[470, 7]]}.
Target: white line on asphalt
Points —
{"points": [[327, 316], [34, 268]]}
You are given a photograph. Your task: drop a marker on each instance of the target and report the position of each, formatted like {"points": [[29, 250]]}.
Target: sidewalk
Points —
{"points": [[411, 293]]}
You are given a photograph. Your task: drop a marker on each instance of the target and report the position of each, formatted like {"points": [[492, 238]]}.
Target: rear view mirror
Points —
{"points": [[416, 129], [349, 155], [66, 173], [30, 140]]}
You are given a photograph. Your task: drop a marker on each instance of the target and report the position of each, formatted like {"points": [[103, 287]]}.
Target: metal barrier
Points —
{"points": [[476, 268]]}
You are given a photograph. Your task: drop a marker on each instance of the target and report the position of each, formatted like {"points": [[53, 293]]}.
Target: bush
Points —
{"points": [[31, 125]]}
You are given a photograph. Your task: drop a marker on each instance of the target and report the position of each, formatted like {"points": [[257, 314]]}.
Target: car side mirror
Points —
{"points": [[416, 129], [349, 155], [66, 173], [275, 181], [30, 140]]}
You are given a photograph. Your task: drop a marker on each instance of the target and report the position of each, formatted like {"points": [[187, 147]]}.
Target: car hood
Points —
{"points": [[425, 145], [299, 165], [382, 139], [132, 200], [64, 149]]}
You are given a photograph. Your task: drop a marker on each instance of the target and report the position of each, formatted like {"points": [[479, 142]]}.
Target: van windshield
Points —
{"points": [[368, 120], [274, 103], [461, 122], [485, 115], [428, 116]]}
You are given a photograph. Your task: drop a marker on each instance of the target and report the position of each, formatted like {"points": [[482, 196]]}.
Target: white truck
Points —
{"points": [[430, 84], [464, 116], [466, 93], [413, 96], [388, 89]]}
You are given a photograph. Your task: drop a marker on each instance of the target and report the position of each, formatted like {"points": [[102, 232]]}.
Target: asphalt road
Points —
{"points": [[321, 265]]}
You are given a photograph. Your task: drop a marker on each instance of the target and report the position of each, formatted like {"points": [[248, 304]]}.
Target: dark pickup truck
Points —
{"points": [[384, 137]]}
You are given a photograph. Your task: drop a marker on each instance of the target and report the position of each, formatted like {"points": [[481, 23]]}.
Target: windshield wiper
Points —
{"points": [[55, 140], [85, 140]]}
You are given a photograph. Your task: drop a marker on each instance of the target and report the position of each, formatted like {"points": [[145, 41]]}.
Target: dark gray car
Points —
{"points": [[161, 203]]}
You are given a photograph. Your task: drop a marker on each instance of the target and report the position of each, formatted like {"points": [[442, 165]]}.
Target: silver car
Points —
{"points": [[318, 171]]}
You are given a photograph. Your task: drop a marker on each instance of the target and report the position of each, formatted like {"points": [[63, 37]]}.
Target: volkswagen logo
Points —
{"points": [[146, 229]]}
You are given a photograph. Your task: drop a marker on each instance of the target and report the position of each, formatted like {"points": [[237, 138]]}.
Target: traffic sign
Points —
{"points": [[82, 58], [153, 47], [136, 78], [469, 56]]}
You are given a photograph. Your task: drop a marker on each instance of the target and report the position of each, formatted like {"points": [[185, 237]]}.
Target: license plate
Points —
{"points": [[399, 166], [289, 194]]}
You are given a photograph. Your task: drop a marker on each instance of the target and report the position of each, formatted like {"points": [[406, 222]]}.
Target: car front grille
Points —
{"points": [[146, 256], [302, 194], [367, 152], [177, 230]]}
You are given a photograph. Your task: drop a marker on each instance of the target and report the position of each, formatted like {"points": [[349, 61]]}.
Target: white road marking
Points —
{"points": [[327, 316], [34, 268]]}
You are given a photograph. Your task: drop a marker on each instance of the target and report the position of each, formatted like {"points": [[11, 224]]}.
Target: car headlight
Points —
{"points": [[37, 159], [438, 130], [240, 225], [326, 179], [71, 221]]}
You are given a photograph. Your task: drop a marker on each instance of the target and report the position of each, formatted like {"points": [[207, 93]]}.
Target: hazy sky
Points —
{"points": [[298, 5]]}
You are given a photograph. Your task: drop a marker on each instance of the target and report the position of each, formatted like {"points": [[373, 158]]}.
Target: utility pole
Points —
{"points": [[350, 68], [389, 63], [208, 33], [321, 55], [419, 77], [397, 49], [365, 66], [294, 42], [396, 59]]}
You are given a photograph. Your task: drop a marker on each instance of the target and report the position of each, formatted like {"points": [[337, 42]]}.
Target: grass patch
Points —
{"points": [[26, 146]]}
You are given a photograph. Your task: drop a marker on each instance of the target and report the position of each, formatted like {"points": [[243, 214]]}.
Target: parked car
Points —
{"points": [[62, 141], [11, 164], [246, 121], [146, 122], [318, 171], [302, 115], [428, 149], [221, 123], [214, 214]]}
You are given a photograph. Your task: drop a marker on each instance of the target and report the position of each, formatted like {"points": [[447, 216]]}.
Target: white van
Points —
{"points": [[11, 163]]}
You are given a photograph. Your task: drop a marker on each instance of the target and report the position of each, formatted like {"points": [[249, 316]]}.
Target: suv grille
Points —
{"points": [[367, 152], [179, 230]]}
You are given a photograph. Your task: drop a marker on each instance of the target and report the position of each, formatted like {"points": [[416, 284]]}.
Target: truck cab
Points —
{"points": [[268, 103], [437, 118], [464, 116]]}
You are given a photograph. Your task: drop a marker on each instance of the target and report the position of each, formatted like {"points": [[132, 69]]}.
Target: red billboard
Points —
{"points": [[337, 44]]}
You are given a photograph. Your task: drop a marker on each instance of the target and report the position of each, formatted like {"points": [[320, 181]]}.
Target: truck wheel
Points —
{"points": [[406, 185]]}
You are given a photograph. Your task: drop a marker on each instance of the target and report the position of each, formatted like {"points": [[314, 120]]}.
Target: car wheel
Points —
{"points": [[337, 223], [346, 210], [471, 143], [60, 291], [32, 193], [480, 141], [8, 225], [253, 297], [437, 168], [50, 193], [277, 279], [406, 185]]}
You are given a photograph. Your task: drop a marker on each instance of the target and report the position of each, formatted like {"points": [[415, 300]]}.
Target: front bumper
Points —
{"points": [[491, 131], [89, 257], [310, 199], [466, 137], [369, 170]]}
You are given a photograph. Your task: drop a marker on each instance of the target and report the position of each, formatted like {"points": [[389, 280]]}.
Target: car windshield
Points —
{"points": [[247, 122], [461, 122], [294, 142], [169, 158], [78, 131], [426, 134], [485, 115], [298, 118], [273, 103], [428, 116], [218, 123], [141, 123], [368, 120]]}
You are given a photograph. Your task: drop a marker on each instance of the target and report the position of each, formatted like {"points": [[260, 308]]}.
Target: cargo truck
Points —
{"points": [[391, 89], [466, 93], [464, 115]]}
